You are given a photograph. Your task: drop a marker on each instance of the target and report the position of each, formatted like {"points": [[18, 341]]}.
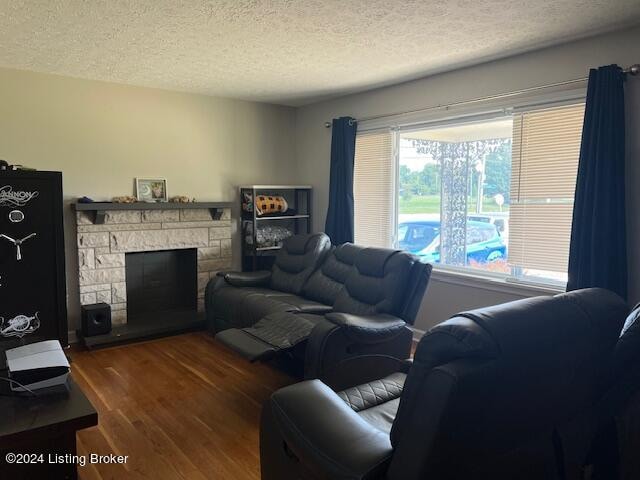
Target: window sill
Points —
{"points": [[494, 284]]}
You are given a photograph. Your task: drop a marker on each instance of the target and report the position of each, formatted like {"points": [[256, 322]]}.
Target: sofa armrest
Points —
{"points": [[326, 435], [247, 279], [368, 328]]}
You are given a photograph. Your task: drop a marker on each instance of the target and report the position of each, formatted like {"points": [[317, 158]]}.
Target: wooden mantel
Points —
{"points": [[99, 209]]}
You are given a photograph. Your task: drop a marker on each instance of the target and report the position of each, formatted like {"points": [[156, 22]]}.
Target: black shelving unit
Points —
{"points": [[297, 219]]}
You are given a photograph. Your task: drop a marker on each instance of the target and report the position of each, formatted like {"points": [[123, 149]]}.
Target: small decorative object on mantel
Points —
{"points": [[85, 199], [125, 199], [182, 199], [151, 189]]}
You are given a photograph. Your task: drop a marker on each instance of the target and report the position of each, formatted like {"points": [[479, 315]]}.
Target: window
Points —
{"points": [[494, 196], [546, 147], [374, 189]]}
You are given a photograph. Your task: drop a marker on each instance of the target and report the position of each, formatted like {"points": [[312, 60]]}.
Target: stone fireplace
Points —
{"points": [[103, 247]]}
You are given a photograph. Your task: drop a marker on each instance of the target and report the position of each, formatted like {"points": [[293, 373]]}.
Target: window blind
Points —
{"points": [[374, 189], [546, 149]]}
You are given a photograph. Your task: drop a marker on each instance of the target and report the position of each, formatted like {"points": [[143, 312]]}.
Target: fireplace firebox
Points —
{"points": [[161, 283]]}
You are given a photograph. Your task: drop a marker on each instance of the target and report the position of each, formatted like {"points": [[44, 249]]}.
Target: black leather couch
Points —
{"points": [[506, 392], [341, 312]]}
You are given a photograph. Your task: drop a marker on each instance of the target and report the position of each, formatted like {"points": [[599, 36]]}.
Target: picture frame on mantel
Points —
{"points": [[151, 190]]}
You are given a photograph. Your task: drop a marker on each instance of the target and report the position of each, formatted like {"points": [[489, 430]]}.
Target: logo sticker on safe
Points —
{"points": [[19, 326], [15, 198]]}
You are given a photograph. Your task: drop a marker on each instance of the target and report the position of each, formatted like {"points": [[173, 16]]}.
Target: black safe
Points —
{"points": [[32, 270]]}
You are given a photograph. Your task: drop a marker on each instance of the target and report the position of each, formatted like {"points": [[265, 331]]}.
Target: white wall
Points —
{"points": [[102, 135], [557, 64]]}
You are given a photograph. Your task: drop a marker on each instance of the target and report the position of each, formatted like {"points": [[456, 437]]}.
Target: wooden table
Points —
{"points": [[46, 427]]}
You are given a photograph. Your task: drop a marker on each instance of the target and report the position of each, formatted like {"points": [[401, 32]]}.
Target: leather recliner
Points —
{"points": [[614, 451], [492, 393], [340, 312]]}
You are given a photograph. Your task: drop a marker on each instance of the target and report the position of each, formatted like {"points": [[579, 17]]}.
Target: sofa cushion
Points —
{"points": [[299, 256], [256, 307], [327, 281], [304, 305], [382, 416], [229, 304], [377, 283]]}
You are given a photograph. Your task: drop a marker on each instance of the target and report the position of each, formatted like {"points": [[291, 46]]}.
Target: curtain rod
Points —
{"points": [[633, 70]]}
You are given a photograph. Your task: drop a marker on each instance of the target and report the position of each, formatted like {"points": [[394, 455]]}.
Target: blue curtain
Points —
{"points": [[339, 224], [597, 256]]}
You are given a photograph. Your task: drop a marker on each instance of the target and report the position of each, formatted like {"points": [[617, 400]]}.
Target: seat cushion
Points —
{"points": [[256, 307], [304, 305], [242, 307], [382, 416]]}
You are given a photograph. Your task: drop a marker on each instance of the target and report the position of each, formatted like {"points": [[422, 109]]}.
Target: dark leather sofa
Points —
{"points": [[506, 392], [340, 312]]}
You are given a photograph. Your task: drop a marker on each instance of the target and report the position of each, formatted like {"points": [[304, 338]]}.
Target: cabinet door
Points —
{"points": [[32, 279]]}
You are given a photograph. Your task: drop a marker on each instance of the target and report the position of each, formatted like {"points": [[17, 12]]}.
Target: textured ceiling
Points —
{"points": [[285, 51]]}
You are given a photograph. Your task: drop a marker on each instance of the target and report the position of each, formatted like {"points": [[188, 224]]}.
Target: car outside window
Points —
{"points": [[488, 233], [474, 235]]}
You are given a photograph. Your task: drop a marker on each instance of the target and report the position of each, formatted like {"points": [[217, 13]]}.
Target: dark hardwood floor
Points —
{"points": [[181, 407]]}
